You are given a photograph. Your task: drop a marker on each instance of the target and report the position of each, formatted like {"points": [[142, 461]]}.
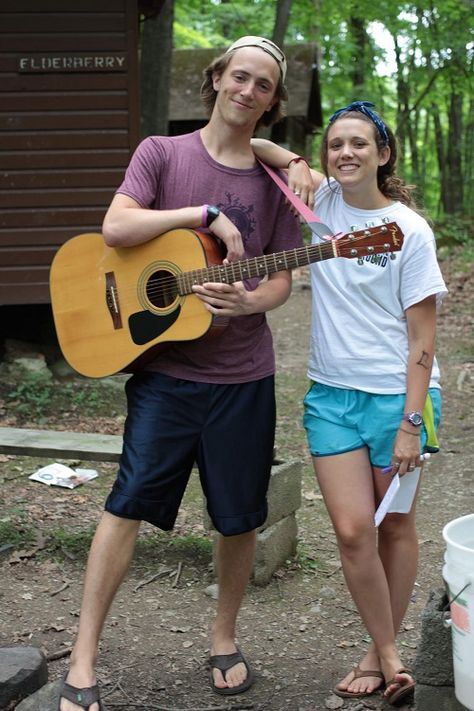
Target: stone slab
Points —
{"points": [[274, 546], [46, 699], [58, 444], [434, 657], [436, 698], [284, 492], [23, 670]]}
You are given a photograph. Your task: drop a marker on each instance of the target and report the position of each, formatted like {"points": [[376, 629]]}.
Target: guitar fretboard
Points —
{"points": [[256, 266]]}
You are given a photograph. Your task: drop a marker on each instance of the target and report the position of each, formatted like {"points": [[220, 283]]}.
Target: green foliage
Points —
{"points": [[32, 394], [457, 233], [84, 397], [193, 545], [14, 532], [70, 544], [75, 544], [217, 24], [304, 560], [435, 62]]}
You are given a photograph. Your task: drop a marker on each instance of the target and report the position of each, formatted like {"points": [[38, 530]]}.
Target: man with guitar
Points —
{"points": [[209, 400]]}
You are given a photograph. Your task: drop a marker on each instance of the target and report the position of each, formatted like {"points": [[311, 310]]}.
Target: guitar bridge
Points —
{"points": [[111, 299]]}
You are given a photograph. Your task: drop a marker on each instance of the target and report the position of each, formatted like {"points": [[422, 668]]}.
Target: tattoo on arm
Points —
{"points": [[424, 360]]}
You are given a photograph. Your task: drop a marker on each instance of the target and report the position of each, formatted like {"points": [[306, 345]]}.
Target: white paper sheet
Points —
{"points": [[57, 474], [399, 495]]}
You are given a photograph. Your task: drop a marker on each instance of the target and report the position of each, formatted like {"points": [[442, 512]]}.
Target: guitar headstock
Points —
{"points": [[373, 240]]}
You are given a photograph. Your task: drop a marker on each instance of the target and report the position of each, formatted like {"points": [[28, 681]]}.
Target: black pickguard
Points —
{"points": [[145, 326]]}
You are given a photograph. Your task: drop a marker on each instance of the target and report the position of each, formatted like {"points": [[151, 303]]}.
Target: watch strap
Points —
{"points": [[213, 213]]}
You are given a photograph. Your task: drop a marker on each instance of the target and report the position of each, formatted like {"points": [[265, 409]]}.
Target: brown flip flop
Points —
{"points": [[359, 674], [403, 690]]}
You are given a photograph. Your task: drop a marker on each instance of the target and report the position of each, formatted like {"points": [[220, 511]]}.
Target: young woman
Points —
{"points": [[374, 399]]}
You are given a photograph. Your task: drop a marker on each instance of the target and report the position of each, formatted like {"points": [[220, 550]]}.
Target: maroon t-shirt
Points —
{"points": [[174, 172]]}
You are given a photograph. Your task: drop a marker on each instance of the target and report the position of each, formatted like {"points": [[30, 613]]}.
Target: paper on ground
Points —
{"points": [[60, 475], [399, 495]]}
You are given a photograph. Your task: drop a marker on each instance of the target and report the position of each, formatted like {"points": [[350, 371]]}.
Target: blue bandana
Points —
{"points": [[364, 108]]}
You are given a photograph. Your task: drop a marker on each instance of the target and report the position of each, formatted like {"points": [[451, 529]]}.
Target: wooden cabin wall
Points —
{"points": [[69, 121]]}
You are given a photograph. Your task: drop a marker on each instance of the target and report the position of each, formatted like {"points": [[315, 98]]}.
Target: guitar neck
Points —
{"points": [[257, 266]]}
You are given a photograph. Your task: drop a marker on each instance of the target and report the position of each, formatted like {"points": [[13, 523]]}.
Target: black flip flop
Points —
{"points": [[224, 662], [81, 697]]}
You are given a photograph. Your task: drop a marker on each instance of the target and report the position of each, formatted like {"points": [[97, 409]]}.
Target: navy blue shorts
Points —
{"points": [[228, 430]]}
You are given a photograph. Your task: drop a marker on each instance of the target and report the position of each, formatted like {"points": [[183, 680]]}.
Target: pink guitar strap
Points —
{"points": [[313, 221]]}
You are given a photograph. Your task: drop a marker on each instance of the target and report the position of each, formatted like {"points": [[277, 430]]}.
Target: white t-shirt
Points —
{"points": [[359, 333]]}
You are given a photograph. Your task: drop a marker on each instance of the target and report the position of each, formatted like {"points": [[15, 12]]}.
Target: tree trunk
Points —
{"points": [[440, 154], [468, 160], [359, 38], [282, 16], [424, 154], [412, 141], [155, 70], [454, 183], [281, 22], [402, 107]]}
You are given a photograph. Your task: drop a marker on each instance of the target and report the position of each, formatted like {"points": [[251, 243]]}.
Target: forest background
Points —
{"points": [[414, 61]]}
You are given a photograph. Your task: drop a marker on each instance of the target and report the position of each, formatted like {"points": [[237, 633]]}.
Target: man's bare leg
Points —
{"points": [[235, 555], [109, 558]]}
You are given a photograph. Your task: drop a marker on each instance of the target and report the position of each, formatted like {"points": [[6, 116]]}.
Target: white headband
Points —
{"points": [[267, 46]]}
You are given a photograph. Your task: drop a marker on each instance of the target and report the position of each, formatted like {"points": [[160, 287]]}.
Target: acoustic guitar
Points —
{"points": [[111, 306]]}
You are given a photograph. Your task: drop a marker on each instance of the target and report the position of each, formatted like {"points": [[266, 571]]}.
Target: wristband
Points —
{"points": [[415, 434], [213, 213], [204, 216], [297, 159]]}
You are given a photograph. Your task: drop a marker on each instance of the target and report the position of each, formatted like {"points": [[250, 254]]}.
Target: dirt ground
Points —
{"points": [[301, 632]]}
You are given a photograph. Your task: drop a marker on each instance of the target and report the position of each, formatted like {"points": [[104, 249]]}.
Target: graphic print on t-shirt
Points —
{"points": [[240, 215]]}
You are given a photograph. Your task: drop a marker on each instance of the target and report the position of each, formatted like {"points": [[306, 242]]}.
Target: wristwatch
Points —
{"points": [[414, 418], [213, 213]]}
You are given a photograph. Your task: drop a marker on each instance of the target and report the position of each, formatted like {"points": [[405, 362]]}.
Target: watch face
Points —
{"points": [[415, 418]]}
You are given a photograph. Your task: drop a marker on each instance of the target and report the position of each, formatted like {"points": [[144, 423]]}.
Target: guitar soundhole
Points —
{"points": [[161, 289]]}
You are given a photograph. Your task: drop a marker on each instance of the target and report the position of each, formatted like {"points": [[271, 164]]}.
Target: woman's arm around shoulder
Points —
{"points": [[302, 179]]}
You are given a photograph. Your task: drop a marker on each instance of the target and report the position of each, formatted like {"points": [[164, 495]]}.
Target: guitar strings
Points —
{"points": [[214, 272], [168, 286]]}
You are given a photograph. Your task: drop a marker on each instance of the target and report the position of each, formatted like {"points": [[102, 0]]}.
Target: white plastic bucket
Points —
{"points": [[458, 572]]}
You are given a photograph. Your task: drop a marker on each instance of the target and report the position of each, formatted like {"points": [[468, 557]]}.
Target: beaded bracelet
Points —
{"points": [[297, 159]]}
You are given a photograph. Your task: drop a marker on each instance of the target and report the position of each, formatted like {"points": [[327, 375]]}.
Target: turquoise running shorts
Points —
{"points": [[337, 420]]}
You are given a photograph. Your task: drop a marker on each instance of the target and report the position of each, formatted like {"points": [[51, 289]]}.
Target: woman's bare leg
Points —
{"points": [[347, 485]]}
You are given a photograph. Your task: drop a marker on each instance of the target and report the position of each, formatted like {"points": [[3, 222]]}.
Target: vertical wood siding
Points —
{"points": [[69, 120]]}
